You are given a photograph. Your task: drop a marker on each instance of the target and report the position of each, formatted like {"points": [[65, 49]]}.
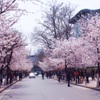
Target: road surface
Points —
{"points": [[47, 89]]}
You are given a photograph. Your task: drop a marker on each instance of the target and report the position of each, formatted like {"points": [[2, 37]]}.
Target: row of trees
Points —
{"points": [[13, 54], [57, 36], [54, 24]]}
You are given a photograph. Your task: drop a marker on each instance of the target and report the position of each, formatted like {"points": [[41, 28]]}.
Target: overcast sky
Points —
{"points": [[27, 23]]}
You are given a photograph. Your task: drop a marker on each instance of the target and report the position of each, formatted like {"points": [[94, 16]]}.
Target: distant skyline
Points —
{"points": [[27, 22]]}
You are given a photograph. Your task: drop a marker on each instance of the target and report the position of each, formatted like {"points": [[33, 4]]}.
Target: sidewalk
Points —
{"points": [[90, 85]]}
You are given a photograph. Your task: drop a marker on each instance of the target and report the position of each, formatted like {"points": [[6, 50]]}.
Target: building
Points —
{"points": [[85, 14]]}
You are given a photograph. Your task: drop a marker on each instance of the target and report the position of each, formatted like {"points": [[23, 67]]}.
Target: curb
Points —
{"points": [[93, 88], [7, 86]]}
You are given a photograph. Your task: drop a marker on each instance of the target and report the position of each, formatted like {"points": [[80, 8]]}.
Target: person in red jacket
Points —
{"points": [[76, 75]]}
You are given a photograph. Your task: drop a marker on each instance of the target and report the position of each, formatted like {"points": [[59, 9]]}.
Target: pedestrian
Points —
{"points": [[68, 77], [76, 75], [87, 76], [20, 75], [42, 73], [59, 75], [1, 76], [92, 74], [15, 75]]}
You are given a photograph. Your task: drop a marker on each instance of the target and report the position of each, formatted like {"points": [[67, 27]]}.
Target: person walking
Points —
{"points": [[59, 75], [42, 73], [1, 77], [20, 75], [76, 75], [68, 77]]}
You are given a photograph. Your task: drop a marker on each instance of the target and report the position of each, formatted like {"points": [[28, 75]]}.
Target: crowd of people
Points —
{"points": [[71, 74], [68, 75], [7, 77]]}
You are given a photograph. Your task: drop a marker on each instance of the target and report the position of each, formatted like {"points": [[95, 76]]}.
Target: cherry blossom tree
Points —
{"points": [[19, 60], [69, 50], [90, 30], [9, 41], [9, 38], [10, 11], [65, 49], [82, 51]]}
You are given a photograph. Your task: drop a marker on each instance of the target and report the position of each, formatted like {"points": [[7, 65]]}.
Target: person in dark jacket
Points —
{"points": [[42, 73], [68, 77], [1, 77], [59, 75], [20, 75]]}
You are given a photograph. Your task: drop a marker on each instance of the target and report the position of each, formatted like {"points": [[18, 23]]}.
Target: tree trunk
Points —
{"points": [[98, 81]]}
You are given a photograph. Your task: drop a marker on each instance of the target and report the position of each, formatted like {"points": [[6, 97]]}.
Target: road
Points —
{"points": [[47, 89]]}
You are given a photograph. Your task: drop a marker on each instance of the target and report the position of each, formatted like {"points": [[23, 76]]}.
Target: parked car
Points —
{"points": [[31, 75]]}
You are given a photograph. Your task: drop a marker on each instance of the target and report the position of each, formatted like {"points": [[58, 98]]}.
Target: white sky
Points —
{"points": [[27, 23]]}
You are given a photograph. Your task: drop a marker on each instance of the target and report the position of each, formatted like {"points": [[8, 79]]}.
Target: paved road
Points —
{"points": [[47, 89]]}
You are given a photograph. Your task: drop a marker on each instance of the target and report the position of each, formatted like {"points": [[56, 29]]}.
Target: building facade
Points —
{"points": [[84, 14]]}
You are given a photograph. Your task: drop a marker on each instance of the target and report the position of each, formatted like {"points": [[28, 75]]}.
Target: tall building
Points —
{"points": [[85, 14]]}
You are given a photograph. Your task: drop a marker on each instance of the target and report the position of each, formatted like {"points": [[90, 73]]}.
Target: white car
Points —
{"points": [[31, 75]]}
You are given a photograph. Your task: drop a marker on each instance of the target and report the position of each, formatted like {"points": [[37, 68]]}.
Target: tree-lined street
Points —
{"points": [[68, 48], [47, 89]]}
